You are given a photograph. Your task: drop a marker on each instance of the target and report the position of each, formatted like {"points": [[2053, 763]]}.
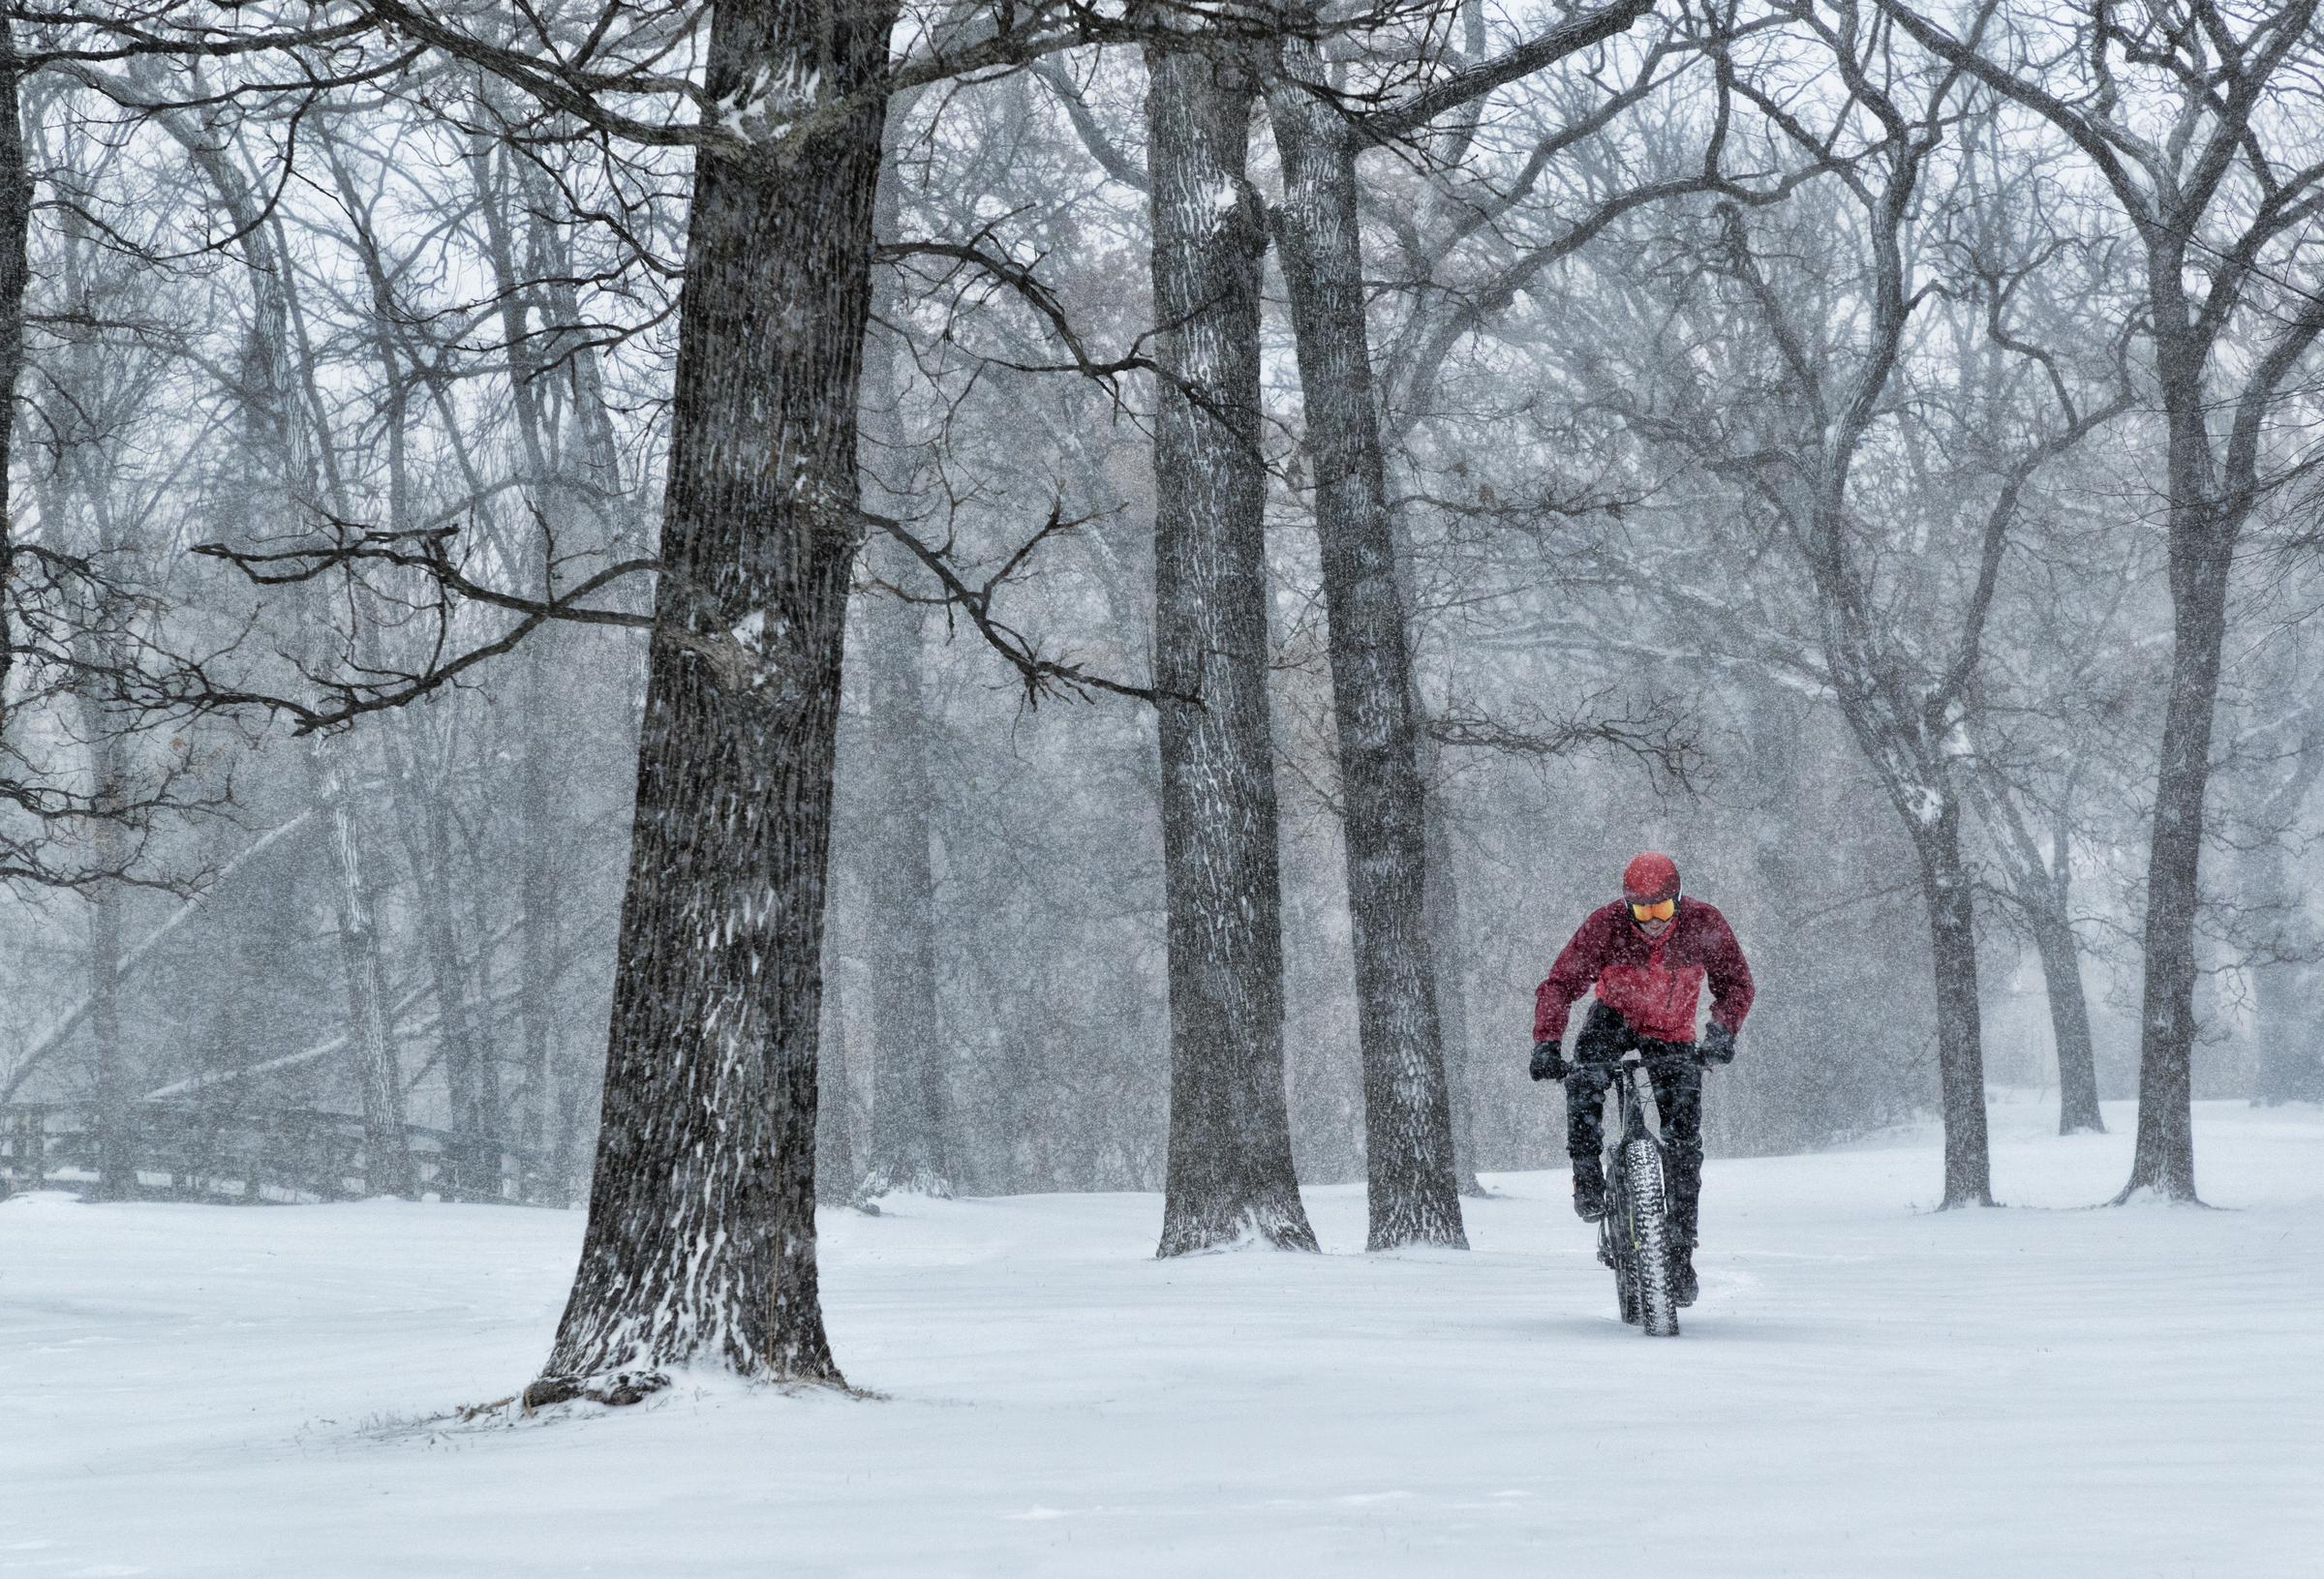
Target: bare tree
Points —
{"points": [[1409, 1147], [1231, 1174], [2200, 120]]}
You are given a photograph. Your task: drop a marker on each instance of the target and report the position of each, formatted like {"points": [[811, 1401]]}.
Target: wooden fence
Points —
{"points": [[184, 1152]]}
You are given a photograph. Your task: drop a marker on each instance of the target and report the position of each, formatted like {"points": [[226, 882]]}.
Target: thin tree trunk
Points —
{"points": [[2060, 956], [116, 1164], [2062, 977], [907, 1150], [549, 1117], [77, 470], [701, 1238], [1230, 1174], [296, 467], [1447, 949], [547, 1136], [571, 347], [471, 1075], [835, 1138], [1408, 1129], [387, 1166], [2042, 884], [908, 1147], [1946, 894]]}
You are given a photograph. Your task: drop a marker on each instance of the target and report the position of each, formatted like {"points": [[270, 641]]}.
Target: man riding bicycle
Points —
{"points": [[1647, 958]]}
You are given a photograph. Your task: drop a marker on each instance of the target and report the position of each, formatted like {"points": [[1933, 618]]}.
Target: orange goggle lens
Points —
{"points": [[1660, 910]]}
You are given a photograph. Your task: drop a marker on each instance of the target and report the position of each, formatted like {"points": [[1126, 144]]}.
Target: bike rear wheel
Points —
{"points": [[1644, 1241]]}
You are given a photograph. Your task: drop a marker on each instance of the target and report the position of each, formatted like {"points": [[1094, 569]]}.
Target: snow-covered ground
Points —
{"points": [[1868, 1387]]}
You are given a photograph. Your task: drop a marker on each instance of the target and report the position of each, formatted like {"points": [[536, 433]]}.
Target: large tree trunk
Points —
{"points": [[2202, 554], [701, 1238], [2164, 1159], [1230, 1173], [1407, 1130], [1947, 893], [15, 274]]}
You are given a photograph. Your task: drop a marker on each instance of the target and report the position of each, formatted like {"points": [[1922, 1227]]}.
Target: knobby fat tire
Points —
{"points": [[1648, 1231], [1610, 1252]]}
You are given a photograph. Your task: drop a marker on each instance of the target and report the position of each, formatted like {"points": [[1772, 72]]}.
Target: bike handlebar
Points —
{"points": [[1681, 1052]]}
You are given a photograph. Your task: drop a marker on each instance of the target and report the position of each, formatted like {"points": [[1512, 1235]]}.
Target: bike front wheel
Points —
{"points": [[1613, 1254], [1645, 1232]]}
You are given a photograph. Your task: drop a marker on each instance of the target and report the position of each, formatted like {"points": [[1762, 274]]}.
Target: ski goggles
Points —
{"points": [[1660, 910]]}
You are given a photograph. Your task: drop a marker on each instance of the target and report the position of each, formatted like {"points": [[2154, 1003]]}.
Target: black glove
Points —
{"points": [[1549, 1061], [1717, 1045]]}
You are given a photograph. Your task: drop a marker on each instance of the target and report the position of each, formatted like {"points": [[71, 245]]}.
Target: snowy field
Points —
{"points": [[1867, 1388]]}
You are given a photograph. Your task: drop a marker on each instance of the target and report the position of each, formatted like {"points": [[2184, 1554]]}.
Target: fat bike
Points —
{"points": [[1633, 1236]]}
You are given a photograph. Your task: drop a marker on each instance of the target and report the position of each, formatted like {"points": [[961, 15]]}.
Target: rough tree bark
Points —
{"points": [[2202, 554], [15, 274], [1403, 906], [1228, 1174], [1947, 896], [1410, 1183], [701, 1240]]}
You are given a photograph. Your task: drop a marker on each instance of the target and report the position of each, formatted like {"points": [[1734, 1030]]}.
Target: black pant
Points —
{"points": [[1677, 1081]]}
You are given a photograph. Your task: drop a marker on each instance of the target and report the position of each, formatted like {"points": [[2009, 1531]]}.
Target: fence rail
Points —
{"points": [[183, 1152]]}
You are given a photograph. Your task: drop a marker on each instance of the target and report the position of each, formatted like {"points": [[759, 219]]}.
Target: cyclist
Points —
{"points": [[1648, 957]]}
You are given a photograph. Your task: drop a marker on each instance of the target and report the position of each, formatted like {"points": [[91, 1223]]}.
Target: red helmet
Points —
{"points": [[1650, 877]]}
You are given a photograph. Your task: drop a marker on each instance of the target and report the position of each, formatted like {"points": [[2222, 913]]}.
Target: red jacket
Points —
{"points": [[1652, 982]]}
